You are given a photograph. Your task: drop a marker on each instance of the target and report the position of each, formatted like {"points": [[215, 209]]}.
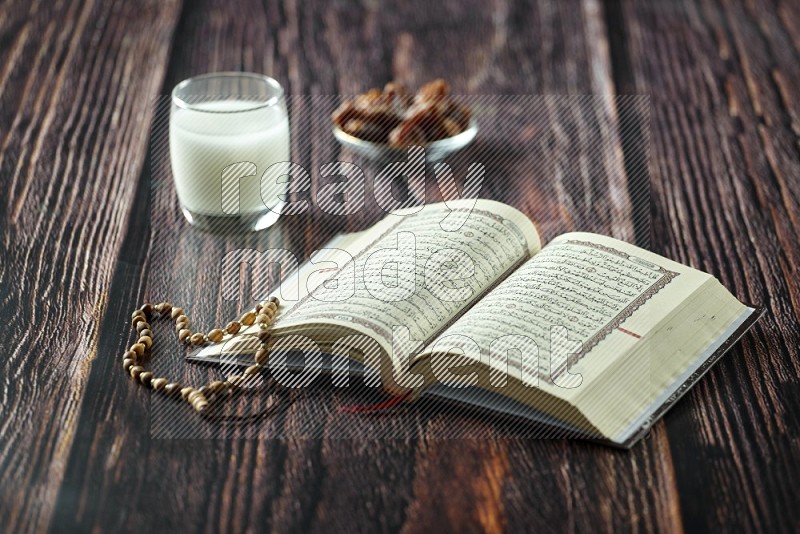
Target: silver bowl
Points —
{"points": [[434, 151]]}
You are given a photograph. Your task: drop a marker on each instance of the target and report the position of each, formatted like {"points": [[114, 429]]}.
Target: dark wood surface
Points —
{"points": [[87, 232]]}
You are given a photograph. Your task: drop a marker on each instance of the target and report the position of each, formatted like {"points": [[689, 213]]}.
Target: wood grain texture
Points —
{"points": [[74, 117], [411, 484], [726, 186], [94, 452]]}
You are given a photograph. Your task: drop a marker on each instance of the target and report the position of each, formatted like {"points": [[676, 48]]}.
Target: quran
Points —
{"points": [[462, 301]]}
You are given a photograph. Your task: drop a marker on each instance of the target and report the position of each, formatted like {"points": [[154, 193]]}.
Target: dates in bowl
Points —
{"points": [[381, 124]]}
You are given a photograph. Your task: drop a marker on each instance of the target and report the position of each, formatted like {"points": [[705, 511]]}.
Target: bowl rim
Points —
{"points": [[461, 139]]}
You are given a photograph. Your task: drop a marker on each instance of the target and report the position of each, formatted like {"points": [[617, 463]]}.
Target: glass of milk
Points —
{"points": [[226, 130]]}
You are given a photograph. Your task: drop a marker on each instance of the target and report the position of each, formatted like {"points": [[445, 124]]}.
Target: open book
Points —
{"points": [[462, 301]]}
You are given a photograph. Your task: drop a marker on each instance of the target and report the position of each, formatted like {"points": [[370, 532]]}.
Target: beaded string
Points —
{"points": [[200, 398]]}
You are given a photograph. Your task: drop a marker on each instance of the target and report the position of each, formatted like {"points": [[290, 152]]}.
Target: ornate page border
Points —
{"points": [[523, 241], [666, 277]]}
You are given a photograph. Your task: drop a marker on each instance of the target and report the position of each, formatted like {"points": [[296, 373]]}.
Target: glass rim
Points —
{"points": [[271, 100]]}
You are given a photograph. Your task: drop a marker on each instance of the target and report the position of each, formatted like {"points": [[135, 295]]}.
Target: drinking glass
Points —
{"points": [[226, 130]]}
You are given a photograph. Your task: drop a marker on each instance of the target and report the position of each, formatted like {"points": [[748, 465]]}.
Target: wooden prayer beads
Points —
{"points": [[263, 316]]}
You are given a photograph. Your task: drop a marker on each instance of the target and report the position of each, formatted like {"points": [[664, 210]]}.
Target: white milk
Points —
{"points": [[202, 144]]}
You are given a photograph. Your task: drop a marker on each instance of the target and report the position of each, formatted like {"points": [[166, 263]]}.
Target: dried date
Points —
{"points": [[399, 118]]}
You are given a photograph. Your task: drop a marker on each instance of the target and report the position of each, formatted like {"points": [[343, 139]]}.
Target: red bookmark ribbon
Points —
{"points": [[385, 405]]}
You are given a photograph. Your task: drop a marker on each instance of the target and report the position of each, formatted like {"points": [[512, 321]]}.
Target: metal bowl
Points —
{"points": [[381, 152]]}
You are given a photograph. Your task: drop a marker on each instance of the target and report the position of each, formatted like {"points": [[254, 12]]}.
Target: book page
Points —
{"points": [[569, 311], [418, 273]]}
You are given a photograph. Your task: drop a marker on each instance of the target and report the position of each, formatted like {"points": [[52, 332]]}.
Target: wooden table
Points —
{"points": [[721, 157]]}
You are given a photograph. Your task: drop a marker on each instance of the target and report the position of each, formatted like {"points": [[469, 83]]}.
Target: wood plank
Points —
{"points": [[74, 115], [725, 171]]}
